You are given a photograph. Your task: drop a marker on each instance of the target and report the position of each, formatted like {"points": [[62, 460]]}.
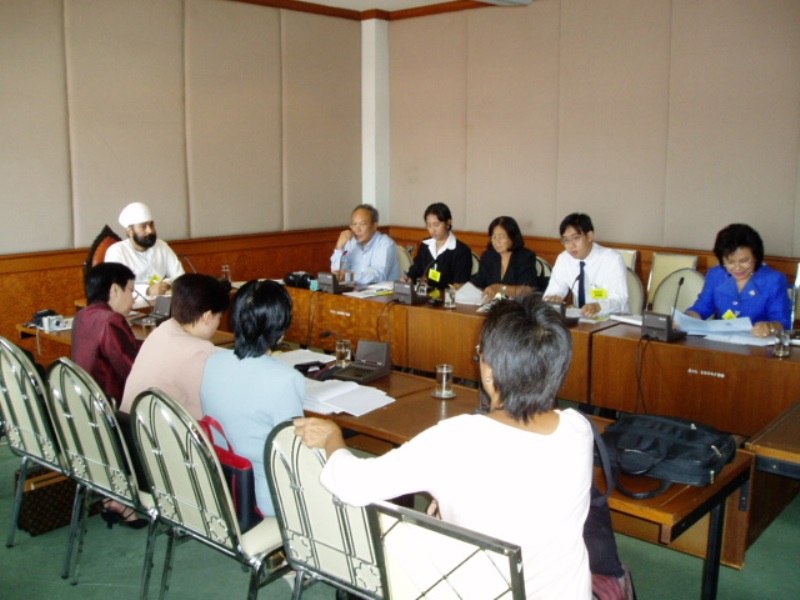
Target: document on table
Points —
{"points": [[573, 312], [333, 396], [694, 326], [384, 288], [469, 294], [298, 357], [741, 339]]}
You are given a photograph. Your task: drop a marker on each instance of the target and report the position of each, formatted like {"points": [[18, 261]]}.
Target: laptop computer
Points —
{"points": [[373, 360], [161, 311]]}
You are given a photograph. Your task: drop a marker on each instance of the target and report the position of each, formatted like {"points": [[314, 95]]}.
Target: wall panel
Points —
{"points": [[233, 118], [321, 86], [428, 83], [34, 153], [613, 116], [512, 117], [734, 121], [126, 112]]}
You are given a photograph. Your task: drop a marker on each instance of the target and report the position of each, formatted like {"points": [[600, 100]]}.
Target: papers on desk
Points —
{"points": [[334, 396], [383, 288], [573, 312], [741, 339], [469, 294], [629, 319], [693, 326]]}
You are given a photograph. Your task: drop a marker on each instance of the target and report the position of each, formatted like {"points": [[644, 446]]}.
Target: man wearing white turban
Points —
{"points": [[151, 259]]}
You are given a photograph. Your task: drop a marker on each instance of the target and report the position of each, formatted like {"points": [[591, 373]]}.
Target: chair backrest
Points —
{"points": [[404, 259], [97, 251], [185, 478], [667, 295], [664, 264], [629, 256], [476, 263], [89, 433], [23, 408], [795, 296], [543, 267], [321, 535], [424, 557], [635, 292]]}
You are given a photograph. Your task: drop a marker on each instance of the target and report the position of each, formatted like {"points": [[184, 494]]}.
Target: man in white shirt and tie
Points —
{"points": [[595, 275]]}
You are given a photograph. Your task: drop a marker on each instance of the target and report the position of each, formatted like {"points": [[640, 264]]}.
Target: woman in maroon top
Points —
{"points": [[102, 339]]}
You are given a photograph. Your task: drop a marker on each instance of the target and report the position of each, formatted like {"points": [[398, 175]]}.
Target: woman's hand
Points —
{"points": [[319, 433], [766, 329]]}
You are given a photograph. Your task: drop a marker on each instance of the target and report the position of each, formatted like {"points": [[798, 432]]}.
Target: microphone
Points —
{"points": [[189, 262], [573, 292], [143, 297], [677, 293], [328, 334]]}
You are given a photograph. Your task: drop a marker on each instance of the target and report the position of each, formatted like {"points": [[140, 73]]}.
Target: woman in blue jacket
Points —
{"points": [[743, 286]]}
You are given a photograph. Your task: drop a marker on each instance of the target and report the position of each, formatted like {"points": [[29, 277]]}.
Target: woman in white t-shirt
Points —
{"points": [[521, 473]]}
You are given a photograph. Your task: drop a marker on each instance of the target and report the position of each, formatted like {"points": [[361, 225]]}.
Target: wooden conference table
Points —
{"points": [[421, 336], [672, 513], [739, 389], [777, 446], [224, 339]]}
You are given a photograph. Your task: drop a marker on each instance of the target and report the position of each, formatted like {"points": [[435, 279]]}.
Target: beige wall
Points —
{"points": [[227, 118], [663, 120]]}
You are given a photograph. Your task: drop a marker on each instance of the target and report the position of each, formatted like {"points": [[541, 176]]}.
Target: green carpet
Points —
{"points": [[112, 563]]}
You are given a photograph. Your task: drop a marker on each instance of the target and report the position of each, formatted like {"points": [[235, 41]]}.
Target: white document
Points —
{"points": [[741, 339], [326, 391], [629, 319], [298, 357], [360, 401], [694, 326], [469, 294]]}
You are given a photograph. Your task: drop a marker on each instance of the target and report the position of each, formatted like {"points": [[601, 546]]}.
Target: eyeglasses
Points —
{"points": [[566, 241], [500, 237]]}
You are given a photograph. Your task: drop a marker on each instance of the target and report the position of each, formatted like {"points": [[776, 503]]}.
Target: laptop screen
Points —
{"points": [[162, 306]]}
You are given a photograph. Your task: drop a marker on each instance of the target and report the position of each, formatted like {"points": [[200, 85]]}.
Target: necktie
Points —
{"points": [[582, 286]]}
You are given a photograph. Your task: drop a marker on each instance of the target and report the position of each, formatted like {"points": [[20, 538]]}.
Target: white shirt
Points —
{"points": [[605, 279], [525, 488], [450, 244], [159, 261], [377, 261]]}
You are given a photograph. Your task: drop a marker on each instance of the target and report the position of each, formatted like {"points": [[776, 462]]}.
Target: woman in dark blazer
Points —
{"points": [[507, 267], [442, 260]]}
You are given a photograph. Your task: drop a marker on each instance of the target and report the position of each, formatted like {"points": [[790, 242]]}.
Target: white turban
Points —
{"points": [[135, 212]]}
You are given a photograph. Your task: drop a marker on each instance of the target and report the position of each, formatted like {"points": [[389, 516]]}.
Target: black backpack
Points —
{"points": [[670, 449]]}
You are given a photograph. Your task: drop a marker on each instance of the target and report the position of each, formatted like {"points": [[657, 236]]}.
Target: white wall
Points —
{"points": [[225, 117], [664, 120]]}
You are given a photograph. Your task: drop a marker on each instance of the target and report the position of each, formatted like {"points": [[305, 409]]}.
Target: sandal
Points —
{"points": [[113, 517]]}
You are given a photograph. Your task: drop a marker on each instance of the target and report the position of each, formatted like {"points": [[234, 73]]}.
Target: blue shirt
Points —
{"points": [[377, 261], [764, 298], [249, 398]]}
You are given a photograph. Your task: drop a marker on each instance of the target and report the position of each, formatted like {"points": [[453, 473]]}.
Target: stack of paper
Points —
{"points": [[334, 396]]}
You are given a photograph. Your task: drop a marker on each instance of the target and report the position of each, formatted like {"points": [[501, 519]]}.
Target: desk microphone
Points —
{"points": [[677, 293], [143, 297], [572, 291], [189, 262]]}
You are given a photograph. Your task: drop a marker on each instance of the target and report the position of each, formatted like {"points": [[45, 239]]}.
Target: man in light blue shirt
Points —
{"points": [[363, 250]]}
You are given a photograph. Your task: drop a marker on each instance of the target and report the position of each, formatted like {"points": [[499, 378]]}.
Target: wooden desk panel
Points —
{"points": [[738, 389], [777, 446], [437, 335], [354, 319], [221, 338]]}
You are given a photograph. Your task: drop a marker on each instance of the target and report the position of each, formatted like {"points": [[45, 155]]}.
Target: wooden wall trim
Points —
{"points": [[372, 13]]}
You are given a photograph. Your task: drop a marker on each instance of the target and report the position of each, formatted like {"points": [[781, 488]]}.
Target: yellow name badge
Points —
{"points": [[434, 275], [599, 294], [729, 314]]}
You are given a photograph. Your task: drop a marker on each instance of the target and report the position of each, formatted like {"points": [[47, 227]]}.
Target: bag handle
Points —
{"points": [[605, 461], [210, 425]]}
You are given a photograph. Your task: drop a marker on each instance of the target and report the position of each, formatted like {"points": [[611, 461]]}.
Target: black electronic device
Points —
{"points": [[406, 293], [373, 360], [328, 282], [36, 320], [657, 326], [298, 279]]}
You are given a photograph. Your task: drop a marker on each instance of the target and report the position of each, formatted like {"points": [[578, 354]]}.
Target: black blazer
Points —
{"points": [[455, 265], [521, 269]]}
